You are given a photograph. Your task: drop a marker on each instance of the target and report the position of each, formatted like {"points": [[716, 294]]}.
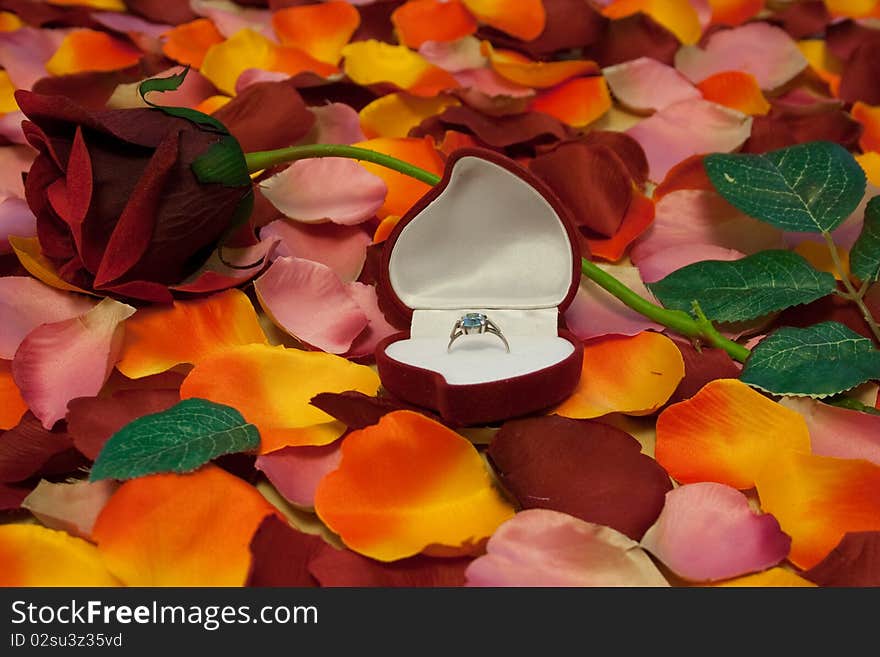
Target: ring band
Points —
{"points": [[475, 324]]}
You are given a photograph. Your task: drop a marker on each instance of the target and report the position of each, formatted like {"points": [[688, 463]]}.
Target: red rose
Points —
{"points": [[120, 208]]}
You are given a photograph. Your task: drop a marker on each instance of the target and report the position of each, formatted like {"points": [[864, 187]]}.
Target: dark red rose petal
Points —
{"points": [[701, 367], [92, 420], [353, 95], [626, 148], [41, 13], [162, 11], [281, 555], [844, 38], [266, 116], [357, 410], [633, 37], [587, 469], [854, 562], [687, 174], [861, 75], [376, 21], [787, 125], [803, 19], [28, 450], [830, 309], [11, 497], [591, 180], [332, 567]]}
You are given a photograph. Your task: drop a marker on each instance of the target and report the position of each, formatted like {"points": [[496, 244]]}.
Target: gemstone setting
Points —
{"points": [[474, 323]]}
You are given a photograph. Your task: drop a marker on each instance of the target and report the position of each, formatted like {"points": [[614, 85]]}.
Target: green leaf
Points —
{"points": [[744, 289], [805, 188], [818, 361], [172, 83], [853, 405], [180, 439], [864, 258]]}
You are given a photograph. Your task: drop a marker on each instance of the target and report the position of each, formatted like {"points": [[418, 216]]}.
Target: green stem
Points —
{"points": [[266, 159], [677, 320], [854, 295]]}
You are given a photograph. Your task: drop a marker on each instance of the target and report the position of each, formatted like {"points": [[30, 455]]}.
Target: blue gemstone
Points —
{"points": [[473, 320]]}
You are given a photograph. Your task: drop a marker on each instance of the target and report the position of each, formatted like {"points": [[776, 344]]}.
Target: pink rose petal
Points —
{"points": [[215, 275], [539, 547], [454, 56], [342, 248], [700, 217], [689, 128], [326, 189], [839, 432], [16, 219], [660, 264], [307, 300], [131, 25], [595, 312], [10, 127], [488, 82], [230, 17], [24, 53], [14, 161], [72, 508], [26, 303], [254, 75], [765, 51], [72, 358], [296, 471], [378, 327], [644, 84], [335, 123], [707, 532]]}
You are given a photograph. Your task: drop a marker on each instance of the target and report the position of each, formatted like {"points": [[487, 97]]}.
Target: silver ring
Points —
{"points": [[475, 324]]}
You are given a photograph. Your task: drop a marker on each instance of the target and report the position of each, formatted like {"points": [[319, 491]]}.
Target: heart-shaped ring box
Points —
{"points": [[490, 238]]}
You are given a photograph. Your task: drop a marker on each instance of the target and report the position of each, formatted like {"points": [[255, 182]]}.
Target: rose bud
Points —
{"points": [[131, 201]]}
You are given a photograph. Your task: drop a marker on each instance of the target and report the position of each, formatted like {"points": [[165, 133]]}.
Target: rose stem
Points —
{"points": [[699, 329], [856, 296]]}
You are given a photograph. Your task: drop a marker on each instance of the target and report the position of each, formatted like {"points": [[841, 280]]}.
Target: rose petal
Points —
{"points": [[358, 411], [12, 406], [236, 267], [869, 117], [644, 84], [332, 567], [418, 21], [27, 250], [596, 313], [764, 51], [92, 420], [181, 530], [660, 264], [734, 12], [521, 70], [633, 375], [72, 508], [603, 478], [854, 562], [341, 248], [678, 16], [818, 500], [302, 191], [71, 358], [11, 497], [281, 554], [160, 338], [308, 301], [378, 328], [320, 30], [272, 387], [708, 532], [424, 481], [638, 218], [230, 18], [839, 432], [635, 36], [455, 56], [689, 128], [577, 102], [28, 450], [36, 556], [483, 87], [374, 62], [547, 548], [90, 50], [727, 433], [295, 472], [735, 89], [336, 123], [701, 367], [396, 114], [14, 161], [524, 19], [24, 53], [188, 43], [774, 577]]}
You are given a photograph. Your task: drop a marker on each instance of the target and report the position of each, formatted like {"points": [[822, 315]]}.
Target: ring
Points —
{"points": [[475, 324]]}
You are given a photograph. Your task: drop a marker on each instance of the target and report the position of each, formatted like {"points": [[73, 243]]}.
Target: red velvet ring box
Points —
{"points": [[490, 238]]}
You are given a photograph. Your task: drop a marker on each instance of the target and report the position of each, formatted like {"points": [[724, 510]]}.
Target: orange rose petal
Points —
{"points": [[89, 50], [523, 71], [212, 104], [737, 90], [818, 499], [160, 337], [578, 102], [12, 405], [822, 61], [384, 229], [734, 12], [36, 556], [403, 191], [107, 5], [188, 43], [819, 256], [27, 250], [9, 22], [851, 8], [633, 375], [319, 30], [870, 163], [272, 387], [7, 94], [418, 21], [428, 475], [677, 16], [869, 117], [726, 433], [181, 530], [772, 578], [374, 62], [524, 19], [395, 114], [639, 217]]}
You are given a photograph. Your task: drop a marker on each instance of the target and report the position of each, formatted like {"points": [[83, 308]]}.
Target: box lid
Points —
{"points": [[489, 235]]}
